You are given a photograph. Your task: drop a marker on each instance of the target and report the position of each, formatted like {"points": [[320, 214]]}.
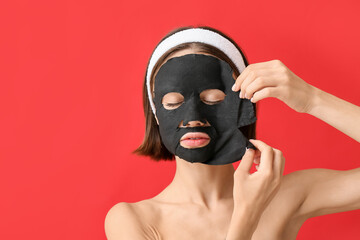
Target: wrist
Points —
{"points": [[250, 213], [243, 223], [315, 102]]}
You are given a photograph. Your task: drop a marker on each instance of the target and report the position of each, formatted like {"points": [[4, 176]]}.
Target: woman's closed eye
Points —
{"points": [[173, 104], [172, 100], [212, 102], [212, 96]]}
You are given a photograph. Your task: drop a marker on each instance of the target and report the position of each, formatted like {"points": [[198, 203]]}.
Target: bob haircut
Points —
{"points": [[152, 145]]}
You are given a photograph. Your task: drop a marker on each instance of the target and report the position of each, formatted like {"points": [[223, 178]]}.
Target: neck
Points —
{"points": [[201, 183]]}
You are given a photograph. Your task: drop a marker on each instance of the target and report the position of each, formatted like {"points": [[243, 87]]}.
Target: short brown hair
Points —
{"points": [[152, 145]]}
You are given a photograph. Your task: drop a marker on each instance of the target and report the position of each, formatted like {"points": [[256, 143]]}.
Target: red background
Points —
{"points": [[71, 103]]}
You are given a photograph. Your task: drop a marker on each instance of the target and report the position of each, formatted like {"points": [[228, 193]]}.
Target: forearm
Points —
{"points": [[243, 224], [337, 112]]}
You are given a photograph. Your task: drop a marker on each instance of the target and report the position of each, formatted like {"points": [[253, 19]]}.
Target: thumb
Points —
{"points": [[247, 160]]}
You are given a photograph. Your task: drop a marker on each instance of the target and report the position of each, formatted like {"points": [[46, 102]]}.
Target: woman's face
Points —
{"points": [[173, 100], [197, 113]]}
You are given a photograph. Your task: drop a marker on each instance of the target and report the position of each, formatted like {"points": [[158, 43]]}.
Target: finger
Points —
{"points": [[243, 75], [251, 76], [257, 153], [254, 66], [277, 162], [282, 164], [247, 160], [257, 156], [258, 84], [240, 79], [265, 93], [267, 155]]}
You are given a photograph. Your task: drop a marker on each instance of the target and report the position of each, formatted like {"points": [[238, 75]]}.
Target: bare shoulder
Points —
{"points": [[297, 184], [302, 181], [294, 182], [299, 181], [328, 191], [286, 206], [312, 189], [120, 212], [307, 193], [121, 222], [128, 221], [291, 195]]}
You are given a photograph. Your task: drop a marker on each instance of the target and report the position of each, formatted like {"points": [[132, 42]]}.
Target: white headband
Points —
{"points": [[193, 35]]}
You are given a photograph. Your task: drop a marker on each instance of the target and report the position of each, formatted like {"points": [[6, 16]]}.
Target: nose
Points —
{"points": [[192, 116], [195, 123]]}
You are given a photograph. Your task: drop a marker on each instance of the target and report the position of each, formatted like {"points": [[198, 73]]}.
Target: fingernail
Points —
{"points": [[251, 100], [249, 149], [240, 94], [233, 87]]}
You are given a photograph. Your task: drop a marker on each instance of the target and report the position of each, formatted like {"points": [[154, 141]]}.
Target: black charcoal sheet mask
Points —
{"points": [[190, 75]]}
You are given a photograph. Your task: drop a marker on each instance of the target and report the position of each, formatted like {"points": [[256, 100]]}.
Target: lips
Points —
{"points": [[194, 140]]}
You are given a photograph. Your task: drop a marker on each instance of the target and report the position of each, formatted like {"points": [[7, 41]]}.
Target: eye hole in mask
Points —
{"points": [[173, 100], [212, 96]]}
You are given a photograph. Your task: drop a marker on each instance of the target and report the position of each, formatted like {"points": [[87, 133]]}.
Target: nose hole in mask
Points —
{"points": [[194, 123], [212, 96]]}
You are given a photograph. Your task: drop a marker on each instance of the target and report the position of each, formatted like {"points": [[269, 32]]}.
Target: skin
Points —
{"points": [[220, 202]]}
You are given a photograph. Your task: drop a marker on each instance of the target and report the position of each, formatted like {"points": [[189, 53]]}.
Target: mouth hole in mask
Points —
{"points": [[212, 96], [172, 100]]}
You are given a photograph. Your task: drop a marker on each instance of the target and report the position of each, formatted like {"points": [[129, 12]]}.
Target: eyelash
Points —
{"points": [[173, 104], [177, 104], [215, 102]]}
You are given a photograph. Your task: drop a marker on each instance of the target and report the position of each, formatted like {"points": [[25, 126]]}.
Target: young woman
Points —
{"points": [[219, 202]]}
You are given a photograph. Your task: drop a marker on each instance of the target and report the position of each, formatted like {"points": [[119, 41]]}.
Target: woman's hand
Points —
{"points": [[274, 79], [253, 192], [256, 190]]}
